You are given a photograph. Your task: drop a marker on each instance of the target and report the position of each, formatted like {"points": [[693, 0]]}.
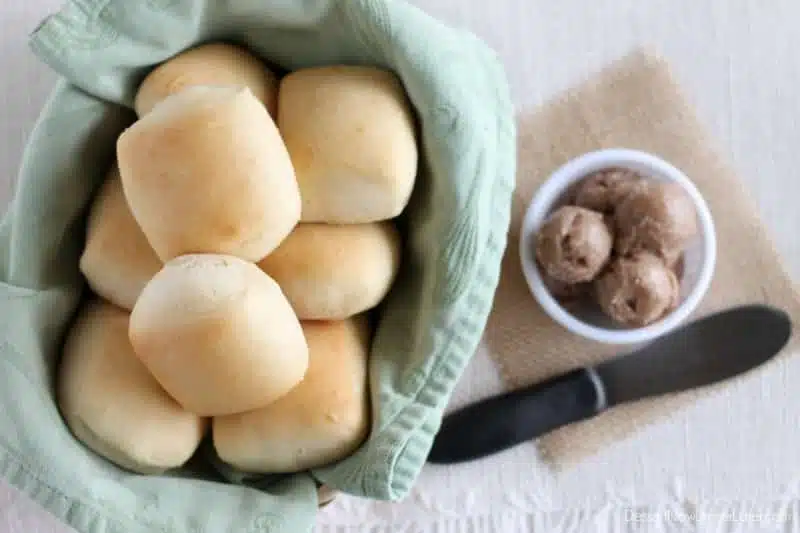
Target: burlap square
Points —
{"points": [[634, 103]]}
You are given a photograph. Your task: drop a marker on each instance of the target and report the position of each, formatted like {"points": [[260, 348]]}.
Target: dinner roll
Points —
{"points": [[331, 272], [117, 261], [207, 172], [113, 405], [218, 334], [322, 420], [350, 133], [208, 64]]}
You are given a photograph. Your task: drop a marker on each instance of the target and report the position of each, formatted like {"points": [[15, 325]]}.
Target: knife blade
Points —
{"points": [[717, 347]]}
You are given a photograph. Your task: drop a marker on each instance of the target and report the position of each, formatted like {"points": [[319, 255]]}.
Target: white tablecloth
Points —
{"points": [[731, 463]]}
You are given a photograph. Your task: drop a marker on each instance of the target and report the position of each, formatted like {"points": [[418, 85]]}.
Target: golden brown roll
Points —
{"points": [[350, 133], [113, 405], [209, 64], [207, 172], [331, 272], [117, 261], [218, 334], [321, 421]]}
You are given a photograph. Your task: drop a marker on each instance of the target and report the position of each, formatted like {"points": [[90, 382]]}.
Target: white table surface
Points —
{"points": [[739, 60]]}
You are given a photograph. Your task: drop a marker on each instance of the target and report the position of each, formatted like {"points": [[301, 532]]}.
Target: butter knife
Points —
{"points": [[707, 351]]}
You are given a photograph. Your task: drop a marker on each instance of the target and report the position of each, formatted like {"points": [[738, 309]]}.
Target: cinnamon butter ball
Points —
{"points": [[573, 244], [603, 191], [637, 290], [566, 293], [659, 218]]}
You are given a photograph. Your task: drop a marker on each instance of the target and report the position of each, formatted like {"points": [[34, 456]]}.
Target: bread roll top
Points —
{"points": [[334, 271], [197, 287], [214, 64], [113, 405], [322, 420], [218, 334], [207, 172], [117, 261], [351, 135]]}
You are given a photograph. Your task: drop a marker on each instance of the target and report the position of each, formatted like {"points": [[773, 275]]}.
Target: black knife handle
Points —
{"points": [[501, 422]]}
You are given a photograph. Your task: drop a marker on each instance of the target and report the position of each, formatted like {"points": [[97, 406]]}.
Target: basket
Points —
{"points": [[454, 228]]}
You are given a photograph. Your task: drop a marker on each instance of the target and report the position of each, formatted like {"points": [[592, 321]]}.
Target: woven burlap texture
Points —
{"points": [[633, 103]]}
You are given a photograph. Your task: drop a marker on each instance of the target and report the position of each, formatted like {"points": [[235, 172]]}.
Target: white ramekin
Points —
{"points": [[699, 259]]}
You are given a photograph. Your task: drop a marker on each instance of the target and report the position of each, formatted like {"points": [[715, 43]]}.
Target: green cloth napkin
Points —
{"points": [[455, 229]]}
